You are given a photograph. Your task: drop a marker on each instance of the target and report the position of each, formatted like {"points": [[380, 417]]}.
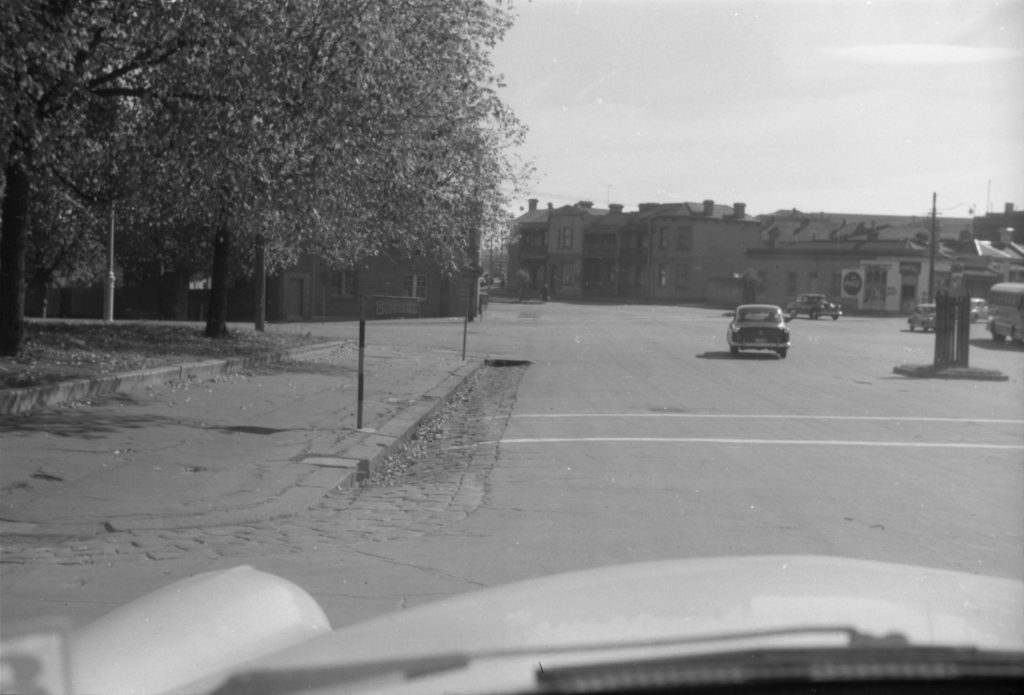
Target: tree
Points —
{"points": [[60, 62], [72, 200], [341, 126], [65, 243]]}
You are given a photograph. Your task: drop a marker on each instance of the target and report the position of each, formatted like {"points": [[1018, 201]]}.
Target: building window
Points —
{"points": [[682, 275], [662, 274], [662, 238], [875, 280], [414, 286], [570, 271], [533, 240], [565, 238], [685, 239], [791, 283], [345, 284]]}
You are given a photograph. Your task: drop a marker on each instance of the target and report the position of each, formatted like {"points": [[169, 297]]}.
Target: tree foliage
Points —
{"points": [[65, 244], [343, 127], [68, 72]]}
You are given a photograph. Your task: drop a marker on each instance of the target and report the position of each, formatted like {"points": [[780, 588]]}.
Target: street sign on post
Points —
{"points": [[384, 307]]}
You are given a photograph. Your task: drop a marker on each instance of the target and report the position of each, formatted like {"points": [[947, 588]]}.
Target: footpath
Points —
{"points": [[92, 485]]}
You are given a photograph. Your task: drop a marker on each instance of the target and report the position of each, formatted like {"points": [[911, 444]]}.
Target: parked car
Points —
{"points": [[979, 310], [814, 305], [758, 327], [923, 317]]}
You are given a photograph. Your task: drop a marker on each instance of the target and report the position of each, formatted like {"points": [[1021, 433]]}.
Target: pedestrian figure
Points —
{"points": [[524, 278]]}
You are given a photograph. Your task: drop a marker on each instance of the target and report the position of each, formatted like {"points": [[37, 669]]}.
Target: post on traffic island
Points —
{"points": [[382, 307], [953, 324]]}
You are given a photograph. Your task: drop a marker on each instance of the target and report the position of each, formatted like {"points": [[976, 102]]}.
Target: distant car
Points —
{"points": [[758, 327], [814, 305], [979, 310], [923, 317]]}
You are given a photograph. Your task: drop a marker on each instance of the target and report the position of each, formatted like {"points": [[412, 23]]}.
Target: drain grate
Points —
{"points": [[506, 362]]}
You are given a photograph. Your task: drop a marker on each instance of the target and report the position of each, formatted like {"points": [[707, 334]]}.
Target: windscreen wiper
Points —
{"points": [[777, 659], [867, 659]]}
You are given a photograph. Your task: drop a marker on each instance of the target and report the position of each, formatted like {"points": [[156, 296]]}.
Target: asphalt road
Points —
{"points": [[636, 436]]}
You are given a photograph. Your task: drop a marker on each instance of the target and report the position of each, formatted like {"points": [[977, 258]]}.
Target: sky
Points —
{"points": [[850, 106]]}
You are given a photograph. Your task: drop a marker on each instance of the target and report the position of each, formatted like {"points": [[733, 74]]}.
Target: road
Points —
{"points": [[634, 435]]}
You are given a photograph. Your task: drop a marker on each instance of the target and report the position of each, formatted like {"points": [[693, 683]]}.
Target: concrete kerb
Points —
{"points": [[366, 453], [15, 401], [929, 371]]}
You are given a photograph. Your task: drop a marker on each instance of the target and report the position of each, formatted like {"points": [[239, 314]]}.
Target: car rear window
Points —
{"points": [[758, 315]]}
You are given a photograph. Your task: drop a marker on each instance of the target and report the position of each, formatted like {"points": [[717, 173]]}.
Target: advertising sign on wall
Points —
{"points": [[853, 284]]}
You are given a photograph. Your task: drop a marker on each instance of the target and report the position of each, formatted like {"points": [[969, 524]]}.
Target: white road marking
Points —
{"points": [[772, 416], [790, 442]]}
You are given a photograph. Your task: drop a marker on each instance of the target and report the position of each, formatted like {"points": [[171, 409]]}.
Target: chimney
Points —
{"points": [[615, 208], [585, 204], [709, 208], [648, 207], [551, 206], [739, 210], [533, 204], [1008, 210]]}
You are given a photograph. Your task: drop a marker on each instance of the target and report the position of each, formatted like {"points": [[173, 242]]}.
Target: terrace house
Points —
{"points": [[660, 252]]}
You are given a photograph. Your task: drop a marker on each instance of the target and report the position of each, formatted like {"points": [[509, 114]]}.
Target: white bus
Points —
{"points": [[1006, 311]]}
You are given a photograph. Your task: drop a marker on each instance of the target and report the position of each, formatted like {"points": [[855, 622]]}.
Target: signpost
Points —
{"points": [[383, 307]]}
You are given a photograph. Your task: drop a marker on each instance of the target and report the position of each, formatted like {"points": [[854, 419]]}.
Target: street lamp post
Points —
{"points": [[108, 290]]}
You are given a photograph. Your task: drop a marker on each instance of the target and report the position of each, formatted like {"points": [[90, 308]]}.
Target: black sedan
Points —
{"points": [[814, 305]]}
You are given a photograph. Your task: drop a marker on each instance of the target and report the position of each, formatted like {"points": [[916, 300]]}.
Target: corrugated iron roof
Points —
{"points": [[878, 247], [792, 225]]}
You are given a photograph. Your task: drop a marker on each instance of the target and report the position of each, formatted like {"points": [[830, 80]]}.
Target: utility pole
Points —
{"points": [[931, 252]]}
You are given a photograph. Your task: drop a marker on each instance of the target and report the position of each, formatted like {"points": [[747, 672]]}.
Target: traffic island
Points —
{"points": [[931, 371]]}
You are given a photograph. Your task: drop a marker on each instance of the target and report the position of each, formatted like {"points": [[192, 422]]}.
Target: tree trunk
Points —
{"points": [[14, 226], [217, 316]]}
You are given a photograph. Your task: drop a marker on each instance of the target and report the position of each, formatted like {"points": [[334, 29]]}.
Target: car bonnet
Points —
{"points": [[686, 599]]}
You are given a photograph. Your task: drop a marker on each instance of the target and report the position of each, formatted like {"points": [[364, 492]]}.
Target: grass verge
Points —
{"points": [[56, 351]]}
